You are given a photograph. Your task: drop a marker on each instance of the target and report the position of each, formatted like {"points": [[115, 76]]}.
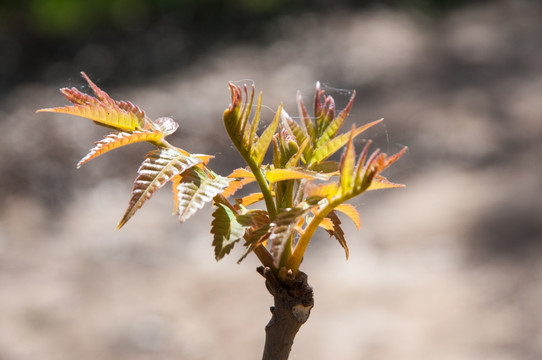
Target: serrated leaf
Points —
{"points": [[257, 233], [226, 230], [334, 126], [119, 115], [274, 175], [338, 232], [314, 193], [255, 218], [166, 125], [330, 147], [241, 177], [257, 238], [156, 170], [241, 173], [326, 224], [195, 190], [235, 185], [116, 140], [351, 212], [379, 182], [282, 228], [261, 146], [111, 117], [294, 160], [250, 199]]}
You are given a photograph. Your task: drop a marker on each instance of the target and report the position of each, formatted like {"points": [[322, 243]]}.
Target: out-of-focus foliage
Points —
{"points": [[45, 39]]}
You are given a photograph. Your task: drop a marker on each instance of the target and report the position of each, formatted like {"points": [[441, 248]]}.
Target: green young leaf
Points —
{"points": [[156, 170], [226, 230], [195, 190]]}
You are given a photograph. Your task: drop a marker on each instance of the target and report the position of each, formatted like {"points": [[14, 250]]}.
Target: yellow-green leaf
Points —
{"points": [[261, 146], [330, 147], [274, 175], [346, 167]]}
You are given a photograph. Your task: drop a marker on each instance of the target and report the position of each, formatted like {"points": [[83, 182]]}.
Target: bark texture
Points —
{"points": [[293, 303]]}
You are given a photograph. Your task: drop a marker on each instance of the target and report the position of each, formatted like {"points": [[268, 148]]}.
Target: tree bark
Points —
{"points": [[293, 303]]}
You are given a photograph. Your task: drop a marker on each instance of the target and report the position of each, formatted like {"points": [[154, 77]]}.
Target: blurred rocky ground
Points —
{"points": [[447, 268]]}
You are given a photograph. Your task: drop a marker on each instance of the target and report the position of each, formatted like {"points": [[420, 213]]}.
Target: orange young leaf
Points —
{"points": [[119, 115], [275, 175], [251, 199], [241, 173], [318, 192], [379, 182], [351, 212], [242, 177], [327, 224], [116, 140]]}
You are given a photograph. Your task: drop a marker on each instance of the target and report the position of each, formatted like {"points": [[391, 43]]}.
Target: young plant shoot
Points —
{"points": [[300, 191]]}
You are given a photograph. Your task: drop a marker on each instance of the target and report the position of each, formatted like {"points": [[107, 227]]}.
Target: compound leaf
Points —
{"points": [[119, 115], [195, 190], [157, 169]]}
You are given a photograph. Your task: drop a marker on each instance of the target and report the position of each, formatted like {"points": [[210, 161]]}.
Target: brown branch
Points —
{"points": [[293, 303]]}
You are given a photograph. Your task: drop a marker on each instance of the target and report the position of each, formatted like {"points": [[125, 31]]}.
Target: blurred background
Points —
{"points": [[447, 268]]}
